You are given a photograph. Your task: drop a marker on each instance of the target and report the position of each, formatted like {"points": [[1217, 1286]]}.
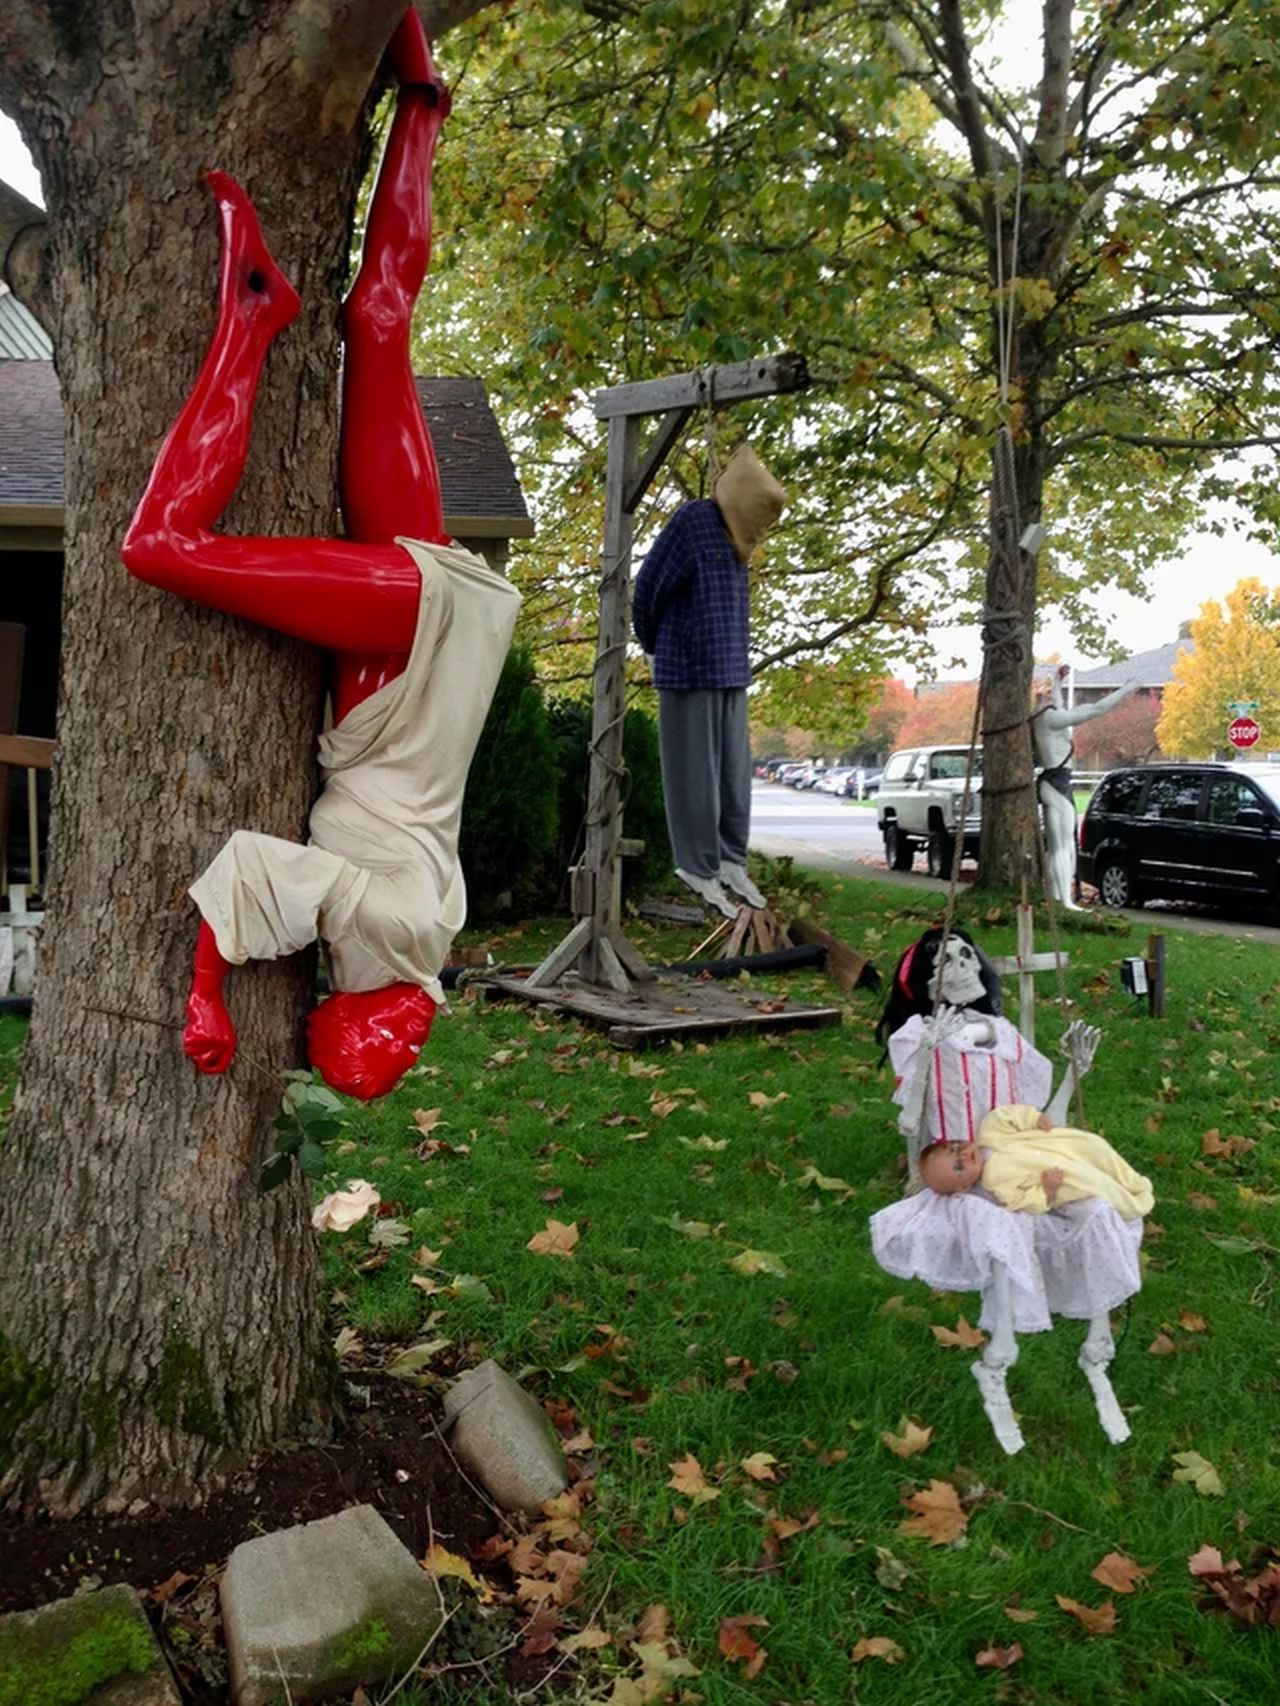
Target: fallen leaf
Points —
{"points": [[347, 1343], [1162, 1346], [1192, 1323], [687, 1477], [824, 1182], [1018, 1614], [758, 1099], [579, 1442], [970, 1338], [472, 1286], [423, 1257], [749, 1261], [661, 1668], [1199, 1472], [999, 1658], [736, 1643], [687, 1228], [652, 1624], [939, 1517], [1213, 1143], [877, 1647], [1207, 1562], [440, 1562], [712, 1145], [417, 1357], [912, 1439], [586, 1640], [556, 1240], [427, 1119], [760, 1466], [541, 1631], [1119, 1573], [1099, 1622], [165, 1591], [1198, 1200]]}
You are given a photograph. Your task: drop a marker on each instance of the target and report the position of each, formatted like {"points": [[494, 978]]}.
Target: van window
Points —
{"points": [[952, 765], [1119, 793], [1228, 797], [898, 766], [1174, 795]]}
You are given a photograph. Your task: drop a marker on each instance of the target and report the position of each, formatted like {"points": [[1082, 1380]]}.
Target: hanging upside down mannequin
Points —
{"points": [[418, 628]]}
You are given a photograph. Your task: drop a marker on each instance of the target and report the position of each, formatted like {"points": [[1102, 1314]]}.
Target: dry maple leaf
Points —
{"points": [[1119, 1573], [586, 1640], [440, 1562], [760, 1466], [999, 1658], [970, 1338], [758, 1099], [736, 1643], [1199, 1472], [749, 1261], [1198, 1200], [687, 1478], [1192, 1323], [1019, 1614], [1161, 1346], [427, 1119], [912, 1439], [939, 1517], [652, 1625], [166, 1589], [1099, 1622], [877, 1647], [556, 1240], [1208, 1562]]}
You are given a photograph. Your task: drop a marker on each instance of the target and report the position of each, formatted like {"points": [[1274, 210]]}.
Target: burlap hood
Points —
{"points": [[750, 500]]}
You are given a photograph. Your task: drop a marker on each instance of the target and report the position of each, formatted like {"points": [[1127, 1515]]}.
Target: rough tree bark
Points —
{"points": [[158, 1317]]}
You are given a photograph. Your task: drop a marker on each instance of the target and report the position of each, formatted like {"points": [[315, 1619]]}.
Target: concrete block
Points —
{"points": [[95, 1649], [504, 1438], [315, 1610]]}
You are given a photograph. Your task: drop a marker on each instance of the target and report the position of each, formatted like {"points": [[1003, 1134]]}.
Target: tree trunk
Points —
{"points": [[1010, 808], [158, 1316]]}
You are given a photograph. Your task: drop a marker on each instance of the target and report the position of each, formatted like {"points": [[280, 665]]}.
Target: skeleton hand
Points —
{"points": [[1079, 1045], [946, 1023]]}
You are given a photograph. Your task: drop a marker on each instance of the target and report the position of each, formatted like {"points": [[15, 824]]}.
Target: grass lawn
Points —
{"points": [[670, 1172], [813, 1364]]}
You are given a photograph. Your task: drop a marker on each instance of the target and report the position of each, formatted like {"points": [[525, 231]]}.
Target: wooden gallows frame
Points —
{"points": [[597, 946]]}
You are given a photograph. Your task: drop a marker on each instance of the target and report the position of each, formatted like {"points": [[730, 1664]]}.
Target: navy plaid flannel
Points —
{"points": [[689, 604]]}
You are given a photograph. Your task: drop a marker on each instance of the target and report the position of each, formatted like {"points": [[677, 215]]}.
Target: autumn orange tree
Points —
{"points": [[941, 713], [1235, 656]]}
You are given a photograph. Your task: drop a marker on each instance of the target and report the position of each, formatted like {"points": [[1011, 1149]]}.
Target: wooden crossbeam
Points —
{"points": [[1024, 965], [735, 382]]}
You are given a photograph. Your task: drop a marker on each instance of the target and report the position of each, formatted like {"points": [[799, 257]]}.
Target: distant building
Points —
{"points": [[1153, 671]]}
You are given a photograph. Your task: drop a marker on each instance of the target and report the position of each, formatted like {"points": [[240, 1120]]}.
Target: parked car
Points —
{"points": [[766, 768], [833, 781], [783, 772], [918, 805], [1191, 831], [866, 788], [805, 776]]}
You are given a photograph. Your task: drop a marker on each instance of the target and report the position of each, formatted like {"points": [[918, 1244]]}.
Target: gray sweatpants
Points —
{"points": [[706, 776]]}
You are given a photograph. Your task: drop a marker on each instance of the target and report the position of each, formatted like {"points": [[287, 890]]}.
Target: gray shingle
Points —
{"points": [[477, 477], [22, 337], [1153, 668]]}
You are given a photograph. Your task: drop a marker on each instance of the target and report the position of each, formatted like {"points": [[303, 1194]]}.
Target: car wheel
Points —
{"points": [[941, 854], [898, 852], [1114, 884]]}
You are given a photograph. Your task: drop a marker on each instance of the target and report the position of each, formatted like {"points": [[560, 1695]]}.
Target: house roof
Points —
{"points": [[1148, 669], [22, 337], [482, 497]]}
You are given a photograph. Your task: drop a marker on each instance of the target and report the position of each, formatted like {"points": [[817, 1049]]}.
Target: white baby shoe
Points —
{"points": [[735, 877], [708, 889]]}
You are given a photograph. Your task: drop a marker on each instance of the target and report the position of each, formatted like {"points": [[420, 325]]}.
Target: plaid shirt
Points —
{"points": [[690, 605]]}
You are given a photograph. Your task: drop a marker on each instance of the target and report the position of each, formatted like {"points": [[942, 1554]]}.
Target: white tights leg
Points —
{"points": [[997, 1359], [1094, 1359]]}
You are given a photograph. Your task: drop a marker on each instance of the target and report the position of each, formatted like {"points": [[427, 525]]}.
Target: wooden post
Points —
{"points": [[1155, 976], [1026, 963]]}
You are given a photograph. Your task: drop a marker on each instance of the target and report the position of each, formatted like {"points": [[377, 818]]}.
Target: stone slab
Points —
{"points": [[504, 1438], [318, 1609], [94, 1649]]}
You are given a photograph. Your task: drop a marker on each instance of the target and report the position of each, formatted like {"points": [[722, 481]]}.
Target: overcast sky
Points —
{"points": [[1208, 568]]}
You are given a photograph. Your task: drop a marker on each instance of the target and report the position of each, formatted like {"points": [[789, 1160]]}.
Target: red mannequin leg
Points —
{"points": [[387, 468], [210, 1038], [330, 591]]}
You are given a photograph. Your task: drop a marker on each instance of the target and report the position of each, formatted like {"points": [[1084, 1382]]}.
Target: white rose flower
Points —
{"points": [[341, 1210]]}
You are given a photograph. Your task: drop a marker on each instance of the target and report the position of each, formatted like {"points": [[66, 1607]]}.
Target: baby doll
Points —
{"points": [[1032, 1165]]}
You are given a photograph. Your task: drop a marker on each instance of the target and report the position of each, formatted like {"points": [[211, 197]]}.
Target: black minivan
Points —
{"points": [[1188, 831]]}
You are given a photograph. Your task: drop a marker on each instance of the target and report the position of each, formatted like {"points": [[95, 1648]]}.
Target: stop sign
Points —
{"points": [[1243, 732]]}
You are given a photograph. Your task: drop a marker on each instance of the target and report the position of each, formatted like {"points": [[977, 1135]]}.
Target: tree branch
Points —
{"points": [[1208, 446], [1051, 128], [956, 47], [24, 252]]}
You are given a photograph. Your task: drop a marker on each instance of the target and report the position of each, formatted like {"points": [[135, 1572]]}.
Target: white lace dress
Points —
{"points": [[1079, 1260]]}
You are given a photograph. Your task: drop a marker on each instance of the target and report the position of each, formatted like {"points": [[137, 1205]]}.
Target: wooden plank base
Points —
{"points": [[664, 1010]]}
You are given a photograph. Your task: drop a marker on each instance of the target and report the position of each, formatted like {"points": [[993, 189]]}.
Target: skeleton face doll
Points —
{"points": [[959, 973]]}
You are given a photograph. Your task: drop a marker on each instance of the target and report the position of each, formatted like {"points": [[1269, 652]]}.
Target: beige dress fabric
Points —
{"points": [[379, 880]]}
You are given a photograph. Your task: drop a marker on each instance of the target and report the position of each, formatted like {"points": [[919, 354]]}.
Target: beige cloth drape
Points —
{"points": [[379, 880]]}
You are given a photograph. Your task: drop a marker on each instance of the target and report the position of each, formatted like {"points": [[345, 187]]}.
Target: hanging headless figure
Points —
{"points": [[379, 606]]}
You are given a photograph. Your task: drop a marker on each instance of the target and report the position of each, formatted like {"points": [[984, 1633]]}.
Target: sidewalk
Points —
{"points": [[1161, 915]]}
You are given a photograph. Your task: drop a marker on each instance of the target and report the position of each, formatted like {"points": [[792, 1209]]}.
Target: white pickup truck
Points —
{"points": [[919, 806]]}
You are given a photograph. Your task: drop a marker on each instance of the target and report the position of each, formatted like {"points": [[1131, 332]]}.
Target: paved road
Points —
{"points": [[837, 835]]}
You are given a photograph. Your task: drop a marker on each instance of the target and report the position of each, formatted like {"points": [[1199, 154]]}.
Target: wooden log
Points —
{"points": [[27, 750], [1155, 976], [735, 382], [563, 954]]}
